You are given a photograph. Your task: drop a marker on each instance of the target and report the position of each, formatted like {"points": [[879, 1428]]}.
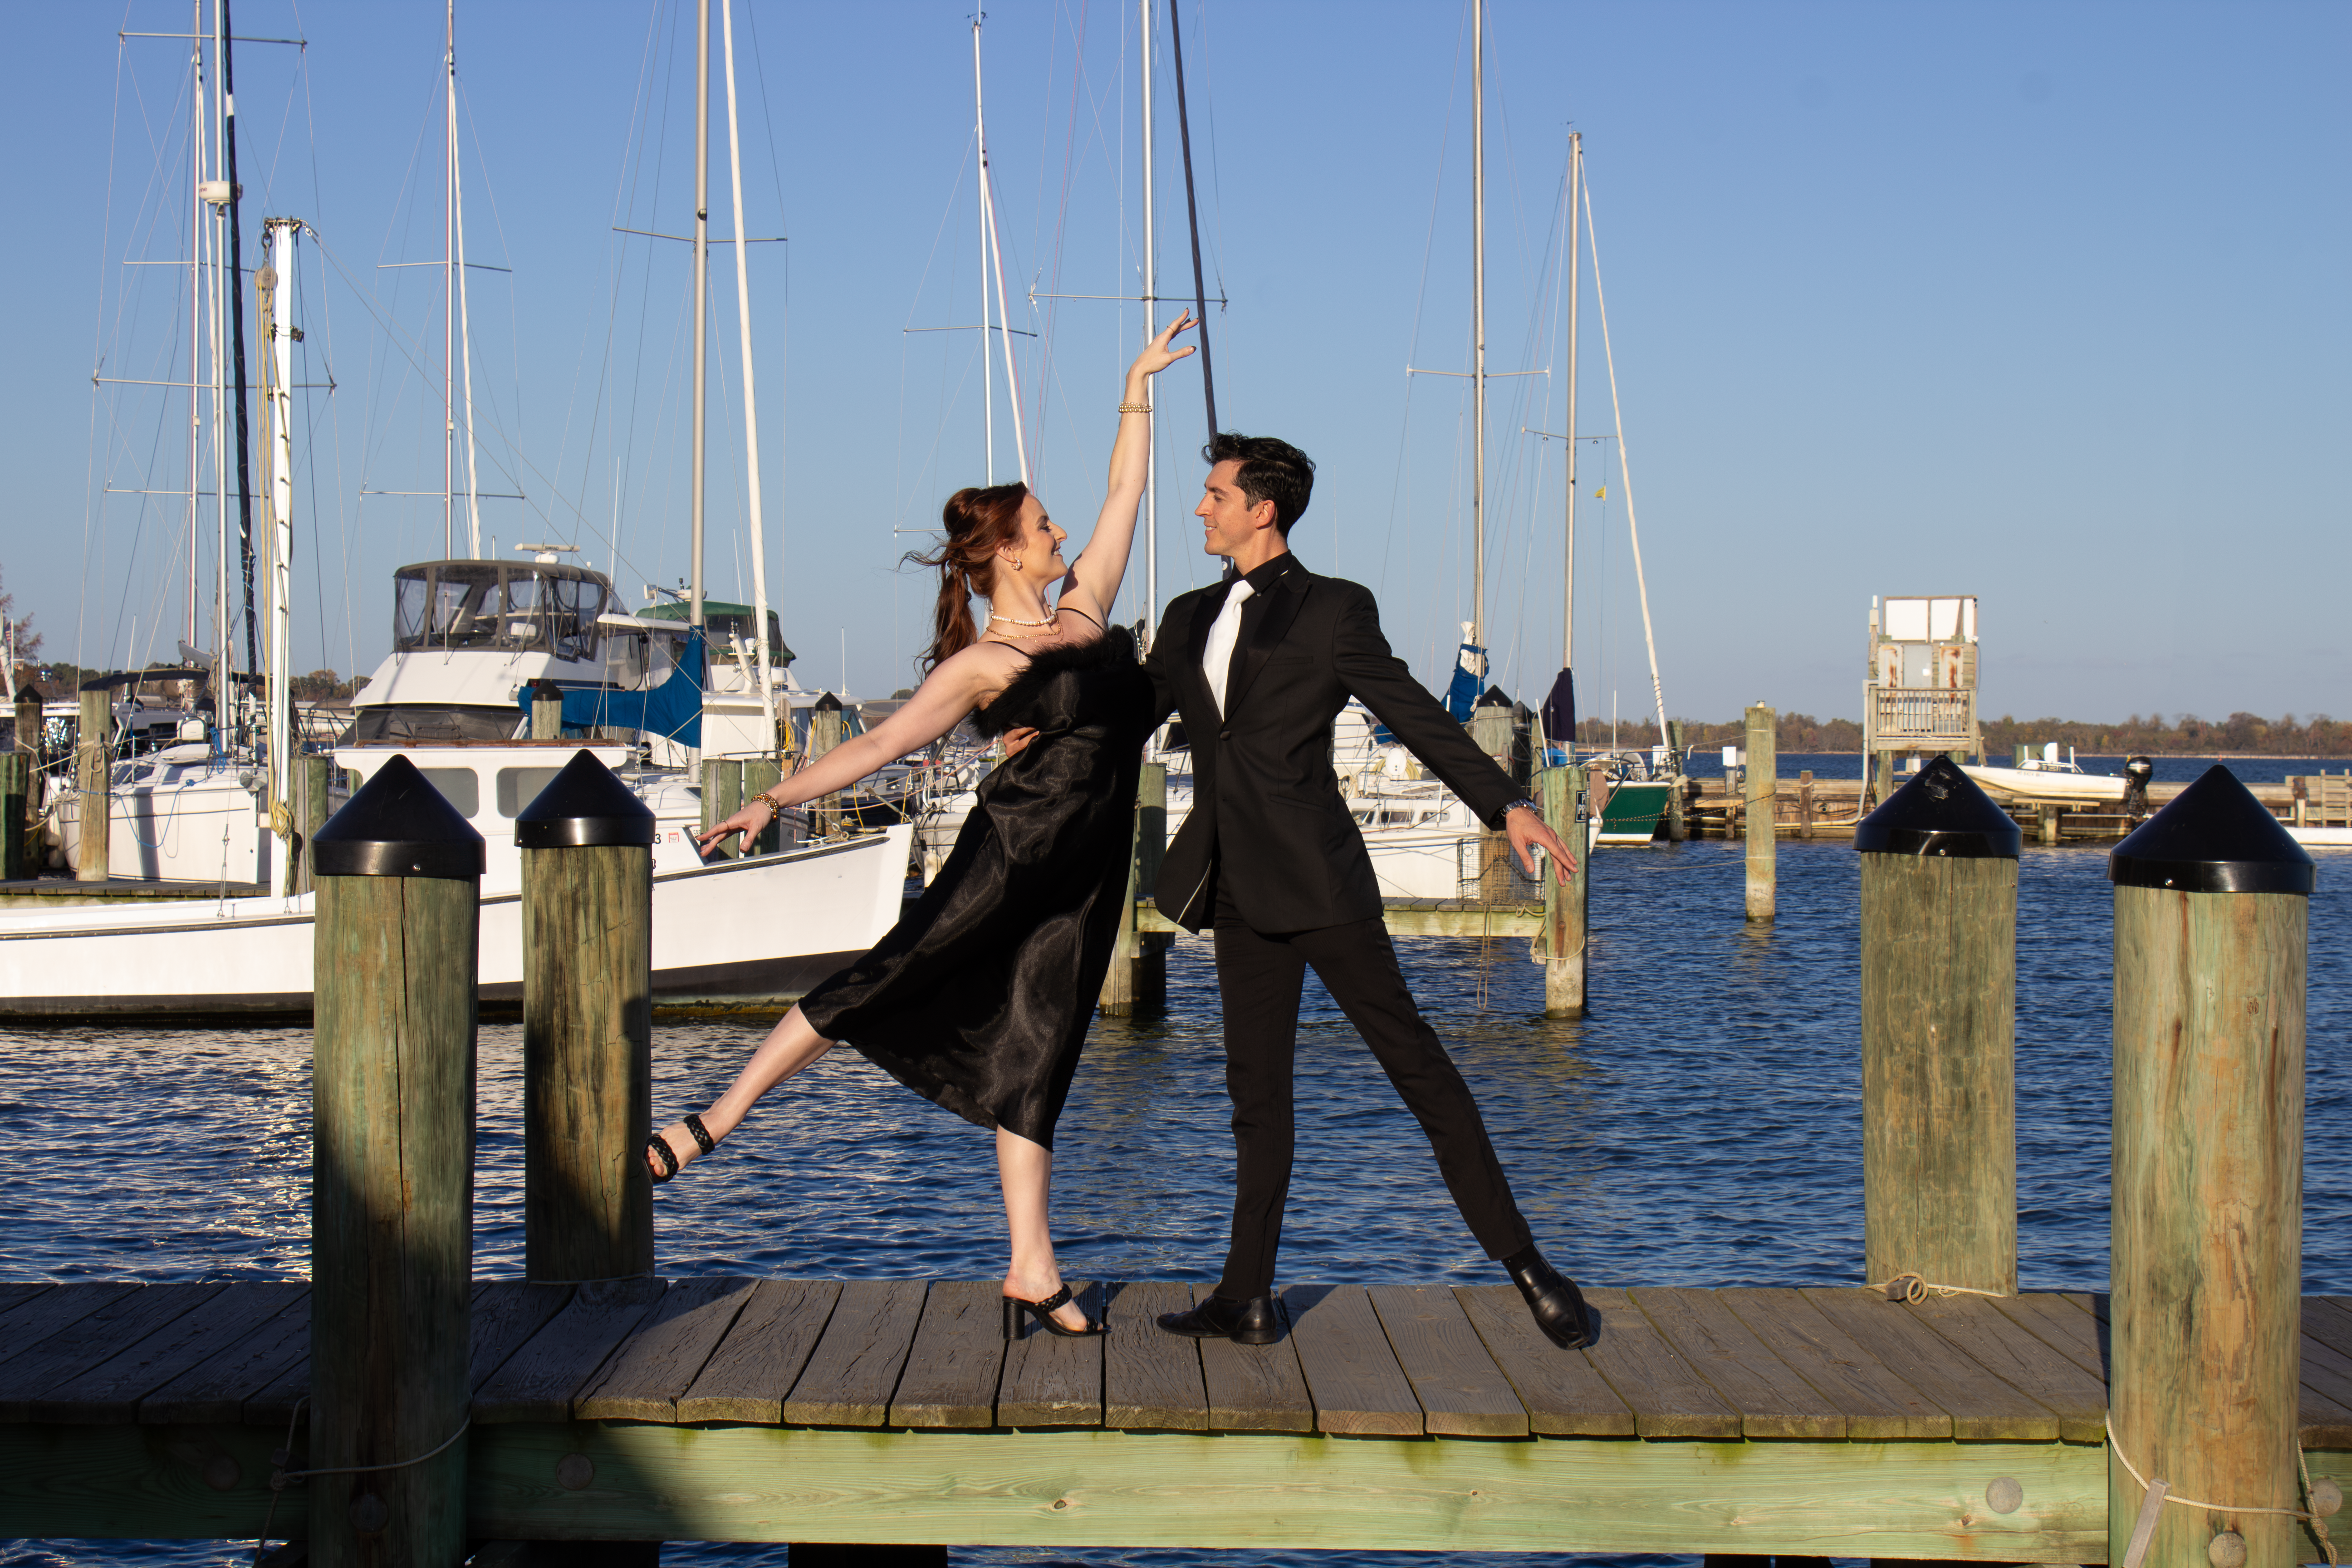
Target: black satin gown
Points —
{"points": [[980, 999]]}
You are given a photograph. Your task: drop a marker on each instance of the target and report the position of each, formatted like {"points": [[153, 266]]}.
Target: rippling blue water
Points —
{"points": [[1701, 1127]]}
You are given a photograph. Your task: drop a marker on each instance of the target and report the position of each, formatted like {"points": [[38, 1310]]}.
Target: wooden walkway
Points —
{"points": [[1821, 1422]]}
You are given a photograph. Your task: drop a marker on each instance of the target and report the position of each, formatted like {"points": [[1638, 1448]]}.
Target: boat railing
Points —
{"points": [[1924, 713]]}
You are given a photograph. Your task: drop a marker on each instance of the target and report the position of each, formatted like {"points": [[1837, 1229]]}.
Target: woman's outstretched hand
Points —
{"points": [[1157, 355], [750, 822]]}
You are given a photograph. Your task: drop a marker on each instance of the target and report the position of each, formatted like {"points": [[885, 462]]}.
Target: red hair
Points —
{"points": [[978, 519]]}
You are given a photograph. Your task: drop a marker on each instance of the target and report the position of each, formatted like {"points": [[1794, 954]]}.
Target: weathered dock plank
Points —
{"points": [[1053, 1381], [88, 1341], [660, 1360], [15, 1293], [1657, 1382], [1151, 1379], [755, 1367], [1560, 1390], [1878, 1407], [537, 1381], [855, 1369], [1973, 1325], [1351, 1373], [1462, 1393], [112, 1391], [1772, 1400], [2063, 1325], [957, 1360], [216, 1390], [59, 1307], [1982, 1407], [1254, 1388]]}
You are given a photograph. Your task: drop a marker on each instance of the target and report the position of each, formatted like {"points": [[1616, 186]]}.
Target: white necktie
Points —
{"points": [[1217, 658]]}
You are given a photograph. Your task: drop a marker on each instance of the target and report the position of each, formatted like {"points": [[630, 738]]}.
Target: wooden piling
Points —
{"points": [[546, 711], [1761, 817], [722, 797], [1805, 803], [15, 789], [2212, 928], [587, 1026], [1565, 907], [1677, 802], [828, 727], [307, 785], [1938, 1034], [2046, 819], [398, 874], [762, 774], [1137, 978], [1492, 728], [93, 785]]}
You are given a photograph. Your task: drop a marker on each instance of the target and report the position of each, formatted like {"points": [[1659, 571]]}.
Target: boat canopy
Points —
{"points": [[672, 710], [722, 620], [508, 605]]}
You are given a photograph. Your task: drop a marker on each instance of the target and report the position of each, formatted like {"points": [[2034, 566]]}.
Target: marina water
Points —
{"points": [[1701, 1127]]}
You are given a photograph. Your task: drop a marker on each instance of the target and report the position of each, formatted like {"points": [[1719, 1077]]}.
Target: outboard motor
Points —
{"points": [[2137, 771]]}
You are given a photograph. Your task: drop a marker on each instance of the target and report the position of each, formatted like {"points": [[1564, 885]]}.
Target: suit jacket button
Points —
{"points": [[1226, 734]]}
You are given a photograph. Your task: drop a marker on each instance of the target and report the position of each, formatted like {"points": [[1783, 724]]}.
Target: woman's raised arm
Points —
{"points": [[1102, 565]]}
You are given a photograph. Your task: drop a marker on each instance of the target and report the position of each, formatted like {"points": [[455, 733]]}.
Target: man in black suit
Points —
{"points": [[1273, 863]]}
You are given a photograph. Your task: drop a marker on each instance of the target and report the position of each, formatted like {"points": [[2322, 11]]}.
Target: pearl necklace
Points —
{"points": [[1017, 621]]}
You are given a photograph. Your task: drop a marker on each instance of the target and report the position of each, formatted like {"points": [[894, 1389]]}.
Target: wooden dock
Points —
{"points": [[1823, 1422]]}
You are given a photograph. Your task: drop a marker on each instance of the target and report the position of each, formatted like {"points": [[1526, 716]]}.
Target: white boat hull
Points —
{"points": [[740, 934], [2048, 783], [2321, 838]]}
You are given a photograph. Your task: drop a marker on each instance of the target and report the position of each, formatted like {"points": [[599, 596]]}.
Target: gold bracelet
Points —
{"points": [[1135, 408], [764, 798]]}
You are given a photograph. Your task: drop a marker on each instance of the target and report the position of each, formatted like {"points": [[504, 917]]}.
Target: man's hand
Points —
{"points": [[1017, 739], [1529, 833]]}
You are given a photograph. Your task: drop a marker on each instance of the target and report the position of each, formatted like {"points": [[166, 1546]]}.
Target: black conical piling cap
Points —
{"points": [[1940, 812], [2215, 837], [583, 806], [397, 826]]}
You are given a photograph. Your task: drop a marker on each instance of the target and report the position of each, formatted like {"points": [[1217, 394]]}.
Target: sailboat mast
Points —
{"points": [[275, 283], [987, 375], [456, 225], [449, 285], [234, 288], [1479, 323], [751, 387], [217, 198], [993, 266], [1625, 473], [1150, 316], [195, 315], [701, 287], [1575, 289]]}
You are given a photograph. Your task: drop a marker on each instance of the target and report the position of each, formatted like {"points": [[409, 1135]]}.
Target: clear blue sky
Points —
{"points": [[2041, 303]]}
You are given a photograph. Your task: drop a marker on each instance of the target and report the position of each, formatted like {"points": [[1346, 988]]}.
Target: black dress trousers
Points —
{"points": [[1260, 978]]}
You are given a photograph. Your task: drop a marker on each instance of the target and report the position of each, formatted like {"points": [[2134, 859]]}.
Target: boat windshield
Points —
{"points": [[511, 606]]}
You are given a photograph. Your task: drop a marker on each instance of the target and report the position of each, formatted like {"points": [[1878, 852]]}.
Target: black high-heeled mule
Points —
{"points": [[658, 1146], [1044, 1312]]}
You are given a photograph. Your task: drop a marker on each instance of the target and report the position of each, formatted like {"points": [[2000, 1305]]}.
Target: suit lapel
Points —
{"points": [[1196, 647], [1266, 620]]}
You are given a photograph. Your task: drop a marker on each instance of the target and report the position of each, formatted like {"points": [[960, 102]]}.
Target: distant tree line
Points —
{"points": [[2185, 734], [59, 680]]}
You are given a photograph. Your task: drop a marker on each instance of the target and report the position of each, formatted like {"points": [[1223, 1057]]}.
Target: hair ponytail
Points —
{"points": [[978, 519]]}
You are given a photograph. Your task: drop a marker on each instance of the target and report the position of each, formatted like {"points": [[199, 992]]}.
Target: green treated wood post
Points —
{"points": [[1677, 805], [2212, 907], [762, 774], [1938, 1034], [398, 874], [16, 788], [722, 797], [1491, 730], [1137, 961], [587, 1026], [1565, 907], [307, 785], [1763, 812], [93, 786]]}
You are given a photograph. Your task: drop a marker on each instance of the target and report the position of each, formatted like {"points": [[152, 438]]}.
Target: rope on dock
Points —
{"points": [[1912, 1289], [2155, 1493], [281, 1475]]}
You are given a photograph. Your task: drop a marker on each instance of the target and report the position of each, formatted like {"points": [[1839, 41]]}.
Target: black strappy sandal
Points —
{"points": [[1044, 1312], [658, 1147]]}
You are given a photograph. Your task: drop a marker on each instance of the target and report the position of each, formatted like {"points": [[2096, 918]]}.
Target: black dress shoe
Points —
{"points": [[1558, 1305], [1251, 1322]]}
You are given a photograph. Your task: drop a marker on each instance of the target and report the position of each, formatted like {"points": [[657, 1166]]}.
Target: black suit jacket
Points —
{"points": [[1267, 818]]}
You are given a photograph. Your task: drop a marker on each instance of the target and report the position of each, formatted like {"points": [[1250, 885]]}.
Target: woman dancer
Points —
{"points": [[981, 997]]}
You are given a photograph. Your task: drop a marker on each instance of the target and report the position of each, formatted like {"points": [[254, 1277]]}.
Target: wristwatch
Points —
{"points": [[1502, 816]]}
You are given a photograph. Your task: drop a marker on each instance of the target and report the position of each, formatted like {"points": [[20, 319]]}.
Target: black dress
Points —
{"points": [[980, 999]]}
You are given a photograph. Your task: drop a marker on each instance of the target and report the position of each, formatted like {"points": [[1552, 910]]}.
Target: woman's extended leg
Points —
{"points": [[1026, 1170], [791, 1045]]}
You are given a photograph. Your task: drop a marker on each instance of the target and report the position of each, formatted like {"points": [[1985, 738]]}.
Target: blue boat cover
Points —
{"points": [[672, 710], [1469, 677]]}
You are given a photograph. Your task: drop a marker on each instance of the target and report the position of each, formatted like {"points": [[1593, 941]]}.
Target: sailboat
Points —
{"points": [[733, 935]]}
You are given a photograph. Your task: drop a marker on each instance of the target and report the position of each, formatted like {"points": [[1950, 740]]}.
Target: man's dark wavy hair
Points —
{"points": [[1270, 470]]}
